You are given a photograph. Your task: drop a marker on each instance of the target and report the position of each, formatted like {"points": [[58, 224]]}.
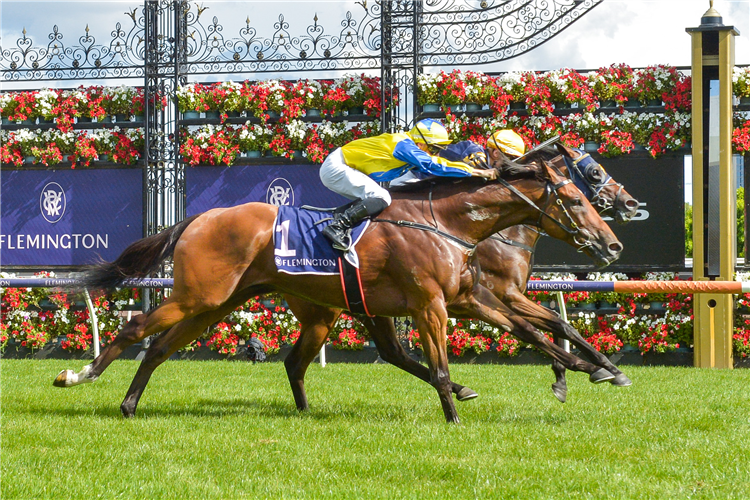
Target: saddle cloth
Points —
{"points": [[301, 248]]}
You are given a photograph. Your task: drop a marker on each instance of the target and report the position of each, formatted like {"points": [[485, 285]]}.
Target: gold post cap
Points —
{"points": [[712, 16]]}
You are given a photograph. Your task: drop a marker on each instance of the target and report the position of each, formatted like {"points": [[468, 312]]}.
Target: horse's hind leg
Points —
{"points": [[316, 323], [431, 323], [383, 331], [167, 344], [138, 328]]}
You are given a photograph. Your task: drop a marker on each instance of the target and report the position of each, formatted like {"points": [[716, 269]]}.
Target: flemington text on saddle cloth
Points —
{"points": [[301, 248]]}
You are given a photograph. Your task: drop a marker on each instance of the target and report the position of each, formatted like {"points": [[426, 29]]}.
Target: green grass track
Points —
{"points": [[210, 430]]}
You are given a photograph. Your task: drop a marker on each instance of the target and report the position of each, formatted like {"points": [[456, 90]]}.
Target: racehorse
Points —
{"points": [[505, 262], [225, 256]]}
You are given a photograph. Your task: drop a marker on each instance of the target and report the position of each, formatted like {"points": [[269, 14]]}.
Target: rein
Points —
{"points": [[551, 188], [429, 229], [507, 241], [575, 231]]}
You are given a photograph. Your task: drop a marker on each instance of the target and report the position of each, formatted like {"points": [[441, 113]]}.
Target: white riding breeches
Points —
{"points": [[346, 181]]}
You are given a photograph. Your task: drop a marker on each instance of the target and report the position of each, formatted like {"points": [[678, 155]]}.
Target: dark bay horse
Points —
{"points": [[505, 262], [223, 257]]}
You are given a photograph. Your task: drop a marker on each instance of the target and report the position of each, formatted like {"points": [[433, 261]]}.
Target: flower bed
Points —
{"points": [[596, 109], [655, 323], [81, 148], [355, 94], [64, 107]]}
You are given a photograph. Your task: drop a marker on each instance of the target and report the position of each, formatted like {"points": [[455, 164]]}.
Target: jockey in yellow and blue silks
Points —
{"points": [[355, 169], [501, 144]]}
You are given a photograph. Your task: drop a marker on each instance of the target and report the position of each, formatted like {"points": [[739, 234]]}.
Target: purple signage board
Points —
{"points": [[68, 217], [294, 185]]}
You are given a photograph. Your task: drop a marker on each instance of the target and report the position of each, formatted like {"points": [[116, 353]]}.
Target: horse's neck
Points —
{"points": [[482, 211]]}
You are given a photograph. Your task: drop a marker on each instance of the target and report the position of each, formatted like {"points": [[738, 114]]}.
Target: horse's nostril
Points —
{"points": [[631, 204], [615, 247]]}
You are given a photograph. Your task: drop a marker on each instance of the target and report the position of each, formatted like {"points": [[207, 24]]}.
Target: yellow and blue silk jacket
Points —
{"points": [[388, 156]]}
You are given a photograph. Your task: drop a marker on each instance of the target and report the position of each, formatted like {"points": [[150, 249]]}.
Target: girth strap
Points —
{"points": [[429, 229]]}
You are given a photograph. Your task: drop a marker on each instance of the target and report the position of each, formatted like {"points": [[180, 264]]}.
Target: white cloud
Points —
{"points": [[636, 32]]}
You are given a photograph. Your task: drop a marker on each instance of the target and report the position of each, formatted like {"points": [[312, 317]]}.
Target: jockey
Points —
{"points": [[355, 169], [500, 143]]}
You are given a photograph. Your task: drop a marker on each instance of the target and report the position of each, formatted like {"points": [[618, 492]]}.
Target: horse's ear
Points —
{"points": [[549, 172], [564, 150]]}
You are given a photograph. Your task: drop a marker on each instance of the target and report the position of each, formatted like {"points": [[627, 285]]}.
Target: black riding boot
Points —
{"points": [[339, 231]]}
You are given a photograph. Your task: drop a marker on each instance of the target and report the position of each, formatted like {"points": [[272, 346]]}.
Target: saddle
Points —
{"points": [[301, 248]]}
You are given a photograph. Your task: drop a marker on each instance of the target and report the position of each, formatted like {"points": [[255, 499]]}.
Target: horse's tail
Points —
{"points": [[138, 260]]}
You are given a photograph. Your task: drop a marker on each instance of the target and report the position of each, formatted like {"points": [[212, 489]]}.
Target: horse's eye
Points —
{"points": [[576, 202], [596, 175]]}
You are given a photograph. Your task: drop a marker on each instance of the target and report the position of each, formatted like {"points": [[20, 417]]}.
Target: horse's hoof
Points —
{"points": [[600, 375], [621, 380], [127, 412], [560, 392], [466, 394], [63, 378]]}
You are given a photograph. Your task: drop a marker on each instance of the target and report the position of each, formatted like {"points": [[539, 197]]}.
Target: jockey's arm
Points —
{"points": [[408, 152]]}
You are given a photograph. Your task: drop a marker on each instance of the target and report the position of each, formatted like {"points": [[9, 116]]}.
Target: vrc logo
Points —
{"points": [[52, 202], [280, 192]]}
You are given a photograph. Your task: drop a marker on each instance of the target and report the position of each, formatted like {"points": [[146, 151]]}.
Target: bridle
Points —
{"points": [[590, 177], [581, 237]]}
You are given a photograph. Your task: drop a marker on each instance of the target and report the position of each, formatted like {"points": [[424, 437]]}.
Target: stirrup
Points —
{"points": [[341, 238], [343, 246]]}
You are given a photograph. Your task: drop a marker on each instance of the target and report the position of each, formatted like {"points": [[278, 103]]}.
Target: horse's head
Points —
{"points": [[569, 216], [606, 194]]}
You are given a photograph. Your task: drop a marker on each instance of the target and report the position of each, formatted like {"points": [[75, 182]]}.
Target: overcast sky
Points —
{"points": [[636, 32]]}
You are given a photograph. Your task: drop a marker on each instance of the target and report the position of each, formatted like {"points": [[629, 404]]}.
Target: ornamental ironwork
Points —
{"points": [[121, 57], [447, 33], [462, 32]]}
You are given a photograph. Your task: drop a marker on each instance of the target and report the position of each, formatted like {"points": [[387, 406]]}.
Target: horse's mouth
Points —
{"points": [[603, 262], [625, 212], [600, 258], [624, 217]]}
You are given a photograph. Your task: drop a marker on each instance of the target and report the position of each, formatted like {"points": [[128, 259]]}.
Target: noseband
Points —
{"points": [[590, 177], [581, 237]]}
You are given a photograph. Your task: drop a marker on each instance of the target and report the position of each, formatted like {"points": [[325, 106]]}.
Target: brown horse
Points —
{"points": [[225, 256], [505, 261]]}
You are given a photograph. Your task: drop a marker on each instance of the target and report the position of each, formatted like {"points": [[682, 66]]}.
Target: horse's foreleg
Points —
{"points": [[383, 332], [315, 324], [431, 323], [484, 306], [545, 319], [560, 386]]}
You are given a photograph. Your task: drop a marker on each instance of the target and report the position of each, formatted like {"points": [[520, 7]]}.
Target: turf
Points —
{"points": [[208, 430]]}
